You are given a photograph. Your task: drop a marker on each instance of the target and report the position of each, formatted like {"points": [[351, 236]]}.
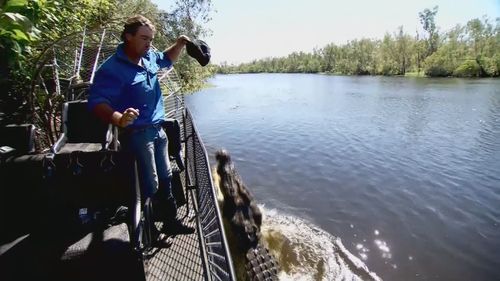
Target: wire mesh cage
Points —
{"points": [[64, 71]]}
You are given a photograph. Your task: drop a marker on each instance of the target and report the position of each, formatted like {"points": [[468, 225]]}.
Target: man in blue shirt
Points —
{"points": [[126, 93]]}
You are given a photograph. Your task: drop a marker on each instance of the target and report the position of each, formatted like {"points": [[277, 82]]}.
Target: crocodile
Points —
{"points": [[242, 221]]}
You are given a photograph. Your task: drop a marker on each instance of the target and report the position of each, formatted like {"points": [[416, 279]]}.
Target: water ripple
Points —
{"points": [[415, 159]]}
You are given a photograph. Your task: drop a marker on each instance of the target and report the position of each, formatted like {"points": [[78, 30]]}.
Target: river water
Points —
{"points": [[402, 172]]}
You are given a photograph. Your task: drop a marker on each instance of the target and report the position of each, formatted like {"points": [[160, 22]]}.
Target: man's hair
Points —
{"points": [[133, 23]]}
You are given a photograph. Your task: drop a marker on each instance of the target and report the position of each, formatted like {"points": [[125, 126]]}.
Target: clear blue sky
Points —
{"points": [[247, 30]]}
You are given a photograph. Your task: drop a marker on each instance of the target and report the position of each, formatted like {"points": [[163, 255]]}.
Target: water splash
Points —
{"points": [[306, 252]]}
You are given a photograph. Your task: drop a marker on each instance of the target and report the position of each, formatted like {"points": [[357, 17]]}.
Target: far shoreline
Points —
{"points": [[407, 75]]}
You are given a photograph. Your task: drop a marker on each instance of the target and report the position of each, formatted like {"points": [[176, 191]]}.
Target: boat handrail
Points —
{"points": [[213, 242], [214, 249]]}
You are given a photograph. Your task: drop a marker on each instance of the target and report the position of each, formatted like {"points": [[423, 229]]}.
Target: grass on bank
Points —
{"points": [[415, 74]]}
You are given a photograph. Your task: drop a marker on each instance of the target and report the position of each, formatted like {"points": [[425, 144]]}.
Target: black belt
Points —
{"points": [[131, 130]]}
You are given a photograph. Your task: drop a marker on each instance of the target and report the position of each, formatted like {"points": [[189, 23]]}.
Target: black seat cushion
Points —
{"points": [[20, 137], [83, 126]]}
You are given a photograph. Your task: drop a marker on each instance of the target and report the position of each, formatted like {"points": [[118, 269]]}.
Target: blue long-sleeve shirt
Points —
{"points": [[122, 84]]}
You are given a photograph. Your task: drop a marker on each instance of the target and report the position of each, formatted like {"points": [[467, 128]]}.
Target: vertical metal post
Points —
{"points": [[81, 53], [96, 61]]}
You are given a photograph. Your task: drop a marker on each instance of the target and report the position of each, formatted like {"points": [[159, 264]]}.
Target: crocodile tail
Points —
{"points": [[261, 265]]}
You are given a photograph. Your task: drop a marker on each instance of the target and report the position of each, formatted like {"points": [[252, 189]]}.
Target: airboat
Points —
{"points": [[62, 208]]}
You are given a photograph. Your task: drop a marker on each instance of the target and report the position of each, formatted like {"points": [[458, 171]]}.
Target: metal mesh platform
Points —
{"points": [[181, 261]]}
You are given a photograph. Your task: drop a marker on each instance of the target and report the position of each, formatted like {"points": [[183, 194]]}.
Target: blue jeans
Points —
{"points": [[149, 146]]}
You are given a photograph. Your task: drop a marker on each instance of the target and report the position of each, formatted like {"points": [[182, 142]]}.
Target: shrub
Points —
{"points": [[469, 68]]}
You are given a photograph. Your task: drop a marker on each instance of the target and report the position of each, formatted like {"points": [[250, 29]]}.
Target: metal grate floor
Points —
{"points": [[182, 260]]}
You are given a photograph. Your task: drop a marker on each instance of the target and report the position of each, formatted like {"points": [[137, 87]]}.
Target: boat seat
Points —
{"points": [[17, 140], [97, 181], [82, 130], [93, 180]]}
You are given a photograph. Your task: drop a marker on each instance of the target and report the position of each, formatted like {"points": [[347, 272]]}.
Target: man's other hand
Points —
{"points": [[128, 117]]}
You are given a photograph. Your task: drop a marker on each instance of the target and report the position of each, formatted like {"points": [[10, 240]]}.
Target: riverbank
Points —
{"points": [[420, 74]]}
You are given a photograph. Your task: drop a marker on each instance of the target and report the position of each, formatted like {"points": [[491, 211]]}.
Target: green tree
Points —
{"points": [[484, 44], [387, 63], [329, 54], [16, 32], [467, 51], [418, 52], [27, 28], [187, 17], [427, 19], [403, 46]]}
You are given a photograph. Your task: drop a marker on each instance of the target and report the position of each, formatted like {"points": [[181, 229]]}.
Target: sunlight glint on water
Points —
{"points": [[404, 171]]}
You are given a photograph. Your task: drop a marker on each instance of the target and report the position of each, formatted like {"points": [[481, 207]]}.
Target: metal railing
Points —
{"points": [[217, 259], [198, 180]]}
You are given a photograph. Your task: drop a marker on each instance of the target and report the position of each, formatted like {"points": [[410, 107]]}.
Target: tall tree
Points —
{"points": [[418, 51], [329, 53], [403, 50], [188, 17], [427, 19], [386, 56]]}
